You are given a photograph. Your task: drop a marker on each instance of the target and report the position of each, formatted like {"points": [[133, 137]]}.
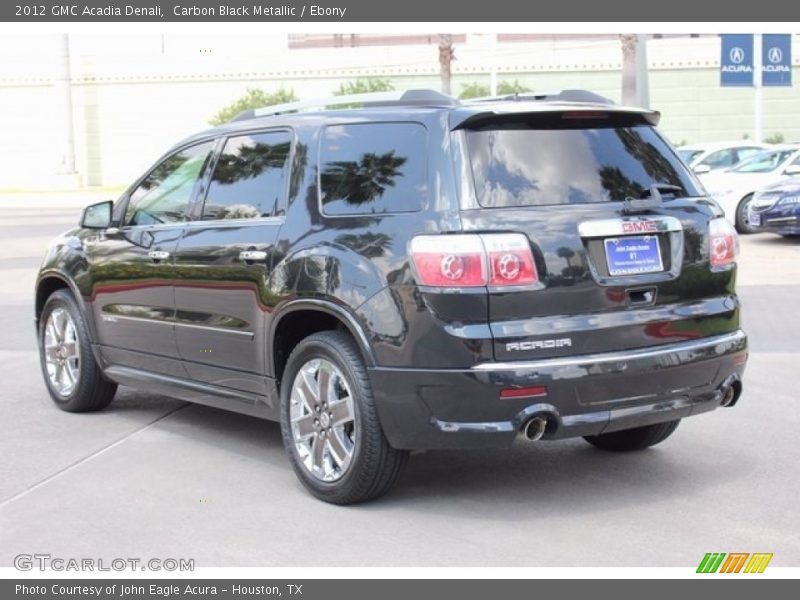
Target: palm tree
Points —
{"points": [[447, 55], [359, 182]]}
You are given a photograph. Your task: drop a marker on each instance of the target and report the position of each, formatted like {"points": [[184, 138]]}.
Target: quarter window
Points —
{"points": [[373, 168], [165, 194], [250, 177]]}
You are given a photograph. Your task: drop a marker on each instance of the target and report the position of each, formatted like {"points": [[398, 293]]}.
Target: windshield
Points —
{"points": [[520, 166], [764, 162], [689, 155]]}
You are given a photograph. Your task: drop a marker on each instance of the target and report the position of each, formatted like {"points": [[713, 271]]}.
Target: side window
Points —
{"points": [[165, 194], [721, 158], [250, 176], [745, 153], [373, 168]]}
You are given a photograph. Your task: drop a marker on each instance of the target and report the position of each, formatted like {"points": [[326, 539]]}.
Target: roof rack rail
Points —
{"points": [[394, 98], [562, 96]]}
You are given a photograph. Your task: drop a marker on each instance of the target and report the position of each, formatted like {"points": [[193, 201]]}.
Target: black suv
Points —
{"points": [[413, 273]]}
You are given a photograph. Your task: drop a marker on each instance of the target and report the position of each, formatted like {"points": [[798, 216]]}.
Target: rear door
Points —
{"points": [[224, 259], [618, 269], [132, 267]]}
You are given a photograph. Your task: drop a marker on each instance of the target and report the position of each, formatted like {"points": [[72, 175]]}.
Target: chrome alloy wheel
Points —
{"points": [[61, 352], [323, 419]]}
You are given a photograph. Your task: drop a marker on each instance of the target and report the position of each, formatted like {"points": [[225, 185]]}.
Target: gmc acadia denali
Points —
{"points": [[415, 273]]}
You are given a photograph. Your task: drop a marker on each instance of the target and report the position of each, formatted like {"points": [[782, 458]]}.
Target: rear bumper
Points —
{"points": [[585, 395]]}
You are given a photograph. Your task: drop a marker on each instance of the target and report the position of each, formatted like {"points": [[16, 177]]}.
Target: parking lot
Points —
{"points": [[155, 477]]}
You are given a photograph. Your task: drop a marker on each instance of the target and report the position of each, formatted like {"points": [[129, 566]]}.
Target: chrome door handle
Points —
{"points": [[253, 255], [158, 254]]}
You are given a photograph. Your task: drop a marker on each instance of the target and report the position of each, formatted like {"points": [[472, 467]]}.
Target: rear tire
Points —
{"points": [[742, 224], [73, 377], [629, 440], [330, 425]]}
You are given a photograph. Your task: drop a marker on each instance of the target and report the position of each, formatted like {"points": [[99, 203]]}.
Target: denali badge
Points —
{"points": [[539, 344]]}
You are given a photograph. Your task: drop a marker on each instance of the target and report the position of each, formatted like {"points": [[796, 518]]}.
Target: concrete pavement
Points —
{"points": [[154, 477]]}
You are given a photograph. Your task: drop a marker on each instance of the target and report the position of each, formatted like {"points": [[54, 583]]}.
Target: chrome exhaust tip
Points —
{"points": [[731, 393], [727, 396], [534, 428]]}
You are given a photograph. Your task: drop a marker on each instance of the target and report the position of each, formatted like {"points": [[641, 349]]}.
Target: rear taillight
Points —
{"points": [[472, 260], [723, 243]]}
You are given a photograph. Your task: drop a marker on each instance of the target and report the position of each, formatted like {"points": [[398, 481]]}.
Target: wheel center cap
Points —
{"points": [[324, 419]]}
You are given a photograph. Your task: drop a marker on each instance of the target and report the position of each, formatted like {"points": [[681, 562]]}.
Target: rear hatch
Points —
{"points": [[619, 233]]}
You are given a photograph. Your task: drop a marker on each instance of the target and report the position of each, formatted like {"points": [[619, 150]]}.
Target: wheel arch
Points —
{"points": [[49, 282], [333, 313]]}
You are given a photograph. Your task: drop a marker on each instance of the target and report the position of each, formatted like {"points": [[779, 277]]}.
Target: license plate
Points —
{"points": [[633, 255], [755, 219]]}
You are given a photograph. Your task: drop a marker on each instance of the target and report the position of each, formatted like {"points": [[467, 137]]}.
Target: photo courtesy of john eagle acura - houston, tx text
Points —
{"points": [[401, 271]]}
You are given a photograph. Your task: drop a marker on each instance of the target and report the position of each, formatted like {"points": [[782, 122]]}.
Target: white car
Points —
{"points": [[733, 189], [703, 158]]}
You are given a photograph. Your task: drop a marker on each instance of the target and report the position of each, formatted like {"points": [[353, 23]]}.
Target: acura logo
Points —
{"points": [[736, 55], [775, 55]]}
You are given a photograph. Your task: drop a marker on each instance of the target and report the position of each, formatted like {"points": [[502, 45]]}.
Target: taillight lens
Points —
{"points": [[723, 243], [510, 259], [471, 260], [449, 261]]}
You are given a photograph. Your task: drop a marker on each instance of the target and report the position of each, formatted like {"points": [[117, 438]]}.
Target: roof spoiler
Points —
{"points": [[562, 96]]}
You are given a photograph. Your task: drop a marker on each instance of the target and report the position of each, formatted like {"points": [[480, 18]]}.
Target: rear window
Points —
{"points": [[521, 166], [373, 168]]}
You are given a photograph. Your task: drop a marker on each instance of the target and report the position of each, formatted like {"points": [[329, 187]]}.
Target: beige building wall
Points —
{"points": [[134, 96]]}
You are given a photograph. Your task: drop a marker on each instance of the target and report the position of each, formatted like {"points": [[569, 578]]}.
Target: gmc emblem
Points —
{"points": [[639, 227]]}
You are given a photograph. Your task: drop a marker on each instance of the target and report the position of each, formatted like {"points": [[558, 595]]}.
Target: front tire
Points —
{"points": [[629, 440], [330, 425], [742, 220], [73, 377]]}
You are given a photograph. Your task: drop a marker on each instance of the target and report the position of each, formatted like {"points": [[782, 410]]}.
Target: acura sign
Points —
{"points": [[776, 65], [736, 64]]}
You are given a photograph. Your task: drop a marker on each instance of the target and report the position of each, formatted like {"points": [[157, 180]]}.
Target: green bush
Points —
{"points": [[252, 98], [505, 88], [364, 86], [480, 90], [473, 90], [775, 138]]}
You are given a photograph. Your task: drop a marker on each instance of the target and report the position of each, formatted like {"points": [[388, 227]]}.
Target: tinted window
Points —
{"points": [[165, 193], [373, 168], [250, 176], [526, 167]]}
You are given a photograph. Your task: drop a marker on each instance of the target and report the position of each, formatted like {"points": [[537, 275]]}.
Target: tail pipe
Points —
{"points": [[730, 391], [533, 429]]}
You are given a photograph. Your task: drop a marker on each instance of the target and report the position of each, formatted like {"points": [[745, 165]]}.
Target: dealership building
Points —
{"points": [[111, 104]]}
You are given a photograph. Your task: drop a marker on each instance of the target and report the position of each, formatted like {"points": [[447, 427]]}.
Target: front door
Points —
{"points": [[132, 267], [223, 262]]}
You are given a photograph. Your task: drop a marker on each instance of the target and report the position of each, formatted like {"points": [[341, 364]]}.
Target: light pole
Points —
{"points": [[63, 93]]}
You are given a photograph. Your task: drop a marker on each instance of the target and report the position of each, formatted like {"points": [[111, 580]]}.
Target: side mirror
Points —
{"points": [[792, 170], [97, 216], [701, 169]]}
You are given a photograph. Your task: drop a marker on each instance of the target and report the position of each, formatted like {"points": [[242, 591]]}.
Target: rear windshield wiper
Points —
{"points": [[651, 199]]}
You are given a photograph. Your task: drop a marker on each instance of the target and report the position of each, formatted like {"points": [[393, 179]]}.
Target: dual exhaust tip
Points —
{"points": [[534, 428]]}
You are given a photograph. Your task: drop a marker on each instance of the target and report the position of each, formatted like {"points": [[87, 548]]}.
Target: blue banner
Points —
{"points": [[736, 62], [776, 61]]}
